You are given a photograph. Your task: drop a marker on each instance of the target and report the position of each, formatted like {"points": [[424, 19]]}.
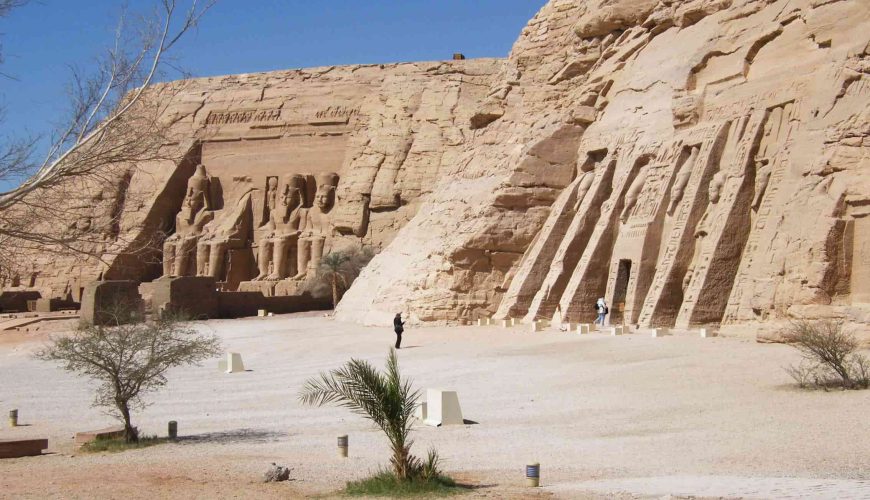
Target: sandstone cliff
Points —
{"points": [[388, 131], [694, 162]]}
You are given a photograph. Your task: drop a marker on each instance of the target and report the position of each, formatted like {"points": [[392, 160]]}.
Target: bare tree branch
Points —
{"points": [[115, 122]]}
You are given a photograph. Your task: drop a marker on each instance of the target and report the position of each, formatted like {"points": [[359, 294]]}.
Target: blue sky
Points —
{"points": [[41, 39]]}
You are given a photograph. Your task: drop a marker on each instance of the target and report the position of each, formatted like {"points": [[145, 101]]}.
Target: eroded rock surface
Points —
{"points": [[694, 162]]}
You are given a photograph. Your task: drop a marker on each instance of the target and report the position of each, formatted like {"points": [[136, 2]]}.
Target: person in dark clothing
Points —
{"points": [[399, 325]]}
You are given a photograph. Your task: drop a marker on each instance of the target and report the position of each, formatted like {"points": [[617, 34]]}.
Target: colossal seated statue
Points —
{"points": [[230, 232], [196, 212], [315, 226], [280, 234]]}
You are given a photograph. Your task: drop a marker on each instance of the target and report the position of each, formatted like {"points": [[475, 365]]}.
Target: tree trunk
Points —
{"points": [[131, 435], [334, 291]]}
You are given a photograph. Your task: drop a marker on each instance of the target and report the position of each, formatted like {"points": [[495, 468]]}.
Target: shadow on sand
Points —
{"points": [[232, 437]]}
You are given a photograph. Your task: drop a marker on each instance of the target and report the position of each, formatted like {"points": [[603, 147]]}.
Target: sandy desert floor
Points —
{"points": [[629, 416]]}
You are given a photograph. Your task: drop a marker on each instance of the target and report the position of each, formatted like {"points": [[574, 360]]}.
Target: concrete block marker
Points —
{"points": [[13, 418], [262, 313], [617, 330], [172, 429], [705, 333], [442, 408], [660, 332], [234, 363], [507, 323], [584, 329], [420, 412], [342, 446], [533, 475]]}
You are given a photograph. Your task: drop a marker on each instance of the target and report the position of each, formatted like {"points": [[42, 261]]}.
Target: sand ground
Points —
{"points": [[629, 416]]}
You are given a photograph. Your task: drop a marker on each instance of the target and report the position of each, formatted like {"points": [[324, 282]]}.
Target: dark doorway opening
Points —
{"points": [[620, 290]]}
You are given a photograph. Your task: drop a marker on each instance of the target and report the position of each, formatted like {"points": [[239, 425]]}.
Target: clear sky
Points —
{"points": [[41, 40]]}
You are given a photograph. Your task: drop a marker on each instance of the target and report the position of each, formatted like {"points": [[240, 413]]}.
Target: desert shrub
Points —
{"points": [[830, 356]]}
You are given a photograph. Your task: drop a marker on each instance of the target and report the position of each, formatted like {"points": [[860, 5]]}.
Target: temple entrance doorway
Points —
{"points": [[617, 306]]}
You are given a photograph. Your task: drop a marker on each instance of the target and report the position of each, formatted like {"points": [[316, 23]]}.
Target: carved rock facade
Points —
{"points": [[693, 162]]}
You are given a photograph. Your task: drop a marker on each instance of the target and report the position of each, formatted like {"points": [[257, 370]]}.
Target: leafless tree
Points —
{"points": [[129, 358], [116, 121], [830, 356]]}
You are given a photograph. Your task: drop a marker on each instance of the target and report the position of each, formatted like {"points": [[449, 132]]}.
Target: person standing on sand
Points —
{"points": [[399, 326], [602, 309]]}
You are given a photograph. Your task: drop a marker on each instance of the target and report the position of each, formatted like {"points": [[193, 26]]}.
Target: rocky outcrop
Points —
{"points": [[694, 162]]}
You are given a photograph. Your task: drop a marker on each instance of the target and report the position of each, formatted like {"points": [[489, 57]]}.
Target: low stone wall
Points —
{"points": [[240, 304]]}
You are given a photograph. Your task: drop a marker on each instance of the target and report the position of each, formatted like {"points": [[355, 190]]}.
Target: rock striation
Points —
{"points": [[694, 162]]}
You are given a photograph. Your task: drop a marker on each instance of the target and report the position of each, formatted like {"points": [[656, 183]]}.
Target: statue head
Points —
{"points": [[291, 194], [325, 197], [196, 198], [272, 183]]}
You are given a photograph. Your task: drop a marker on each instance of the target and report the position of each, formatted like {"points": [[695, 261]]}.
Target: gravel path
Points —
{"points": [[630, 416]]}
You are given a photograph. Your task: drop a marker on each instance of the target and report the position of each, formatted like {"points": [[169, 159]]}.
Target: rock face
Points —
{"points": [[271, 171], [693, 162]]}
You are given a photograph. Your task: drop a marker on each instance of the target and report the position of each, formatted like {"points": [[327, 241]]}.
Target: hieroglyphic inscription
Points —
{"points": [[243, 116], [337, 112]]}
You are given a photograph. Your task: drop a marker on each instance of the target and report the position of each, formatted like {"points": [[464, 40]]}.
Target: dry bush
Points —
{"points": [[831, 358]]}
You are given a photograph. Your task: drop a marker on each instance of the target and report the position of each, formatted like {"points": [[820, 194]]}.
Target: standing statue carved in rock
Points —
{"points": [[633, 193], [196, 212], [315, 226], [281, 231], [703, 227], [682, 180]]}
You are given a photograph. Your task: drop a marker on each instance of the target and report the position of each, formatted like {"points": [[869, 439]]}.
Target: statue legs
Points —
{"points": [[264, 258], [316, 254], [216, 260], [303, 257], [168, 257], [183, 256], [202, 260]]}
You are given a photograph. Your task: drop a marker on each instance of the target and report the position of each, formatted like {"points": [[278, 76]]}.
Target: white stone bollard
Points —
{"points": [[506, 323], [705, 334], [442, 408], [261, 313], [584, 328], [234, 363], [420, 412], [617, 330], [660, 332]]}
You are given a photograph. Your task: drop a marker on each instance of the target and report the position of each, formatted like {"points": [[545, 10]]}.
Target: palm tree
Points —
{"points": [[333, 268], [383, 398]]}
